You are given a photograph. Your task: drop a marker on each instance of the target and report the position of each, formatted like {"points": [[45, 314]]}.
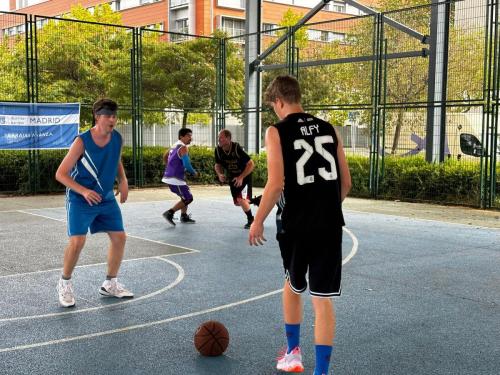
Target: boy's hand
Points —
{"points": [[91, 197], [256, 234], [123, 190], [238, 181]]}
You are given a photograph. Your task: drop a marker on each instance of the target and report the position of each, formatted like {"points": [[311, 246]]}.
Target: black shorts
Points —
{"points": [[318, 253], [242, 192]]}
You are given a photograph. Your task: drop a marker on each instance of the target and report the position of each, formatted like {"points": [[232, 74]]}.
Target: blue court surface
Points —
{"points": [[418, 296]]}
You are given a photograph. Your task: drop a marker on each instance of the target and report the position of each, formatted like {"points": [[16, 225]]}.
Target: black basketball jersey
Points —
{"points": [[312, 177], [234, 161]]}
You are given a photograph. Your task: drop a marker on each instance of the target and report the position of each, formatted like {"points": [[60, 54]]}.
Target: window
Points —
{"points": [[238, 4], [181, 26], [148, 1], [14, 30], [324, 36], [314, 34], [233, 27], [155, 26], [269, 29], [176, 3], [336, 6], [91, 10], [331, 36], [283, 1], [115, 5], [27, 3], [41, 23]]}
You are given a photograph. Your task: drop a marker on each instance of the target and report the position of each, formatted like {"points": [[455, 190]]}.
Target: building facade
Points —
{"points": [[197, 17]]}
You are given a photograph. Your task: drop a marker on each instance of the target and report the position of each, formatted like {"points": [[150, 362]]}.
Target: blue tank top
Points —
{"points": [[174, 167], [97, 167]]}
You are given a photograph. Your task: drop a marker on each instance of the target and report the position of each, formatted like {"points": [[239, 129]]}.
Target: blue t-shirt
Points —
{"points": [[97, 167]]}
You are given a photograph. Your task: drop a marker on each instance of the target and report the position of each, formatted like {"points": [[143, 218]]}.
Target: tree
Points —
{"points": [[13, 84], [179, 76], [322, 86], [407, 78], [79, 60]]}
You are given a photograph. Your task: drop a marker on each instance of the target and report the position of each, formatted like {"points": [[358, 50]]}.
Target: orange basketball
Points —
{"points": [[211, 338]]}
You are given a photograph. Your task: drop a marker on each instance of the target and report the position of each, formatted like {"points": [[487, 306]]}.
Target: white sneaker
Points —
{"points": [[66, 294], [112, 288], [291, 362]]}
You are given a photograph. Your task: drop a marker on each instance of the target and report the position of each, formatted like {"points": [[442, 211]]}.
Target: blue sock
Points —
{"points": [[292, 336], [323, 354]]}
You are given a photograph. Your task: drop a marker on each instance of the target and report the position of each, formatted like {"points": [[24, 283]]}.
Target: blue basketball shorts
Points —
{"points": [[103, 217]]}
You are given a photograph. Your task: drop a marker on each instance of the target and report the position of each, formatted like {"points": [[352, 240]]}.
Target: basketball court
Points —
{"points": [[420, 293]]}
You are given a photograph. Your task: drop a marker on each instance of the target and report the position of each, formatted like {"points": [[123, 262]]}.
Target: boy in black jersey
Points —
{"points": [[306, 160], [230, 156]]}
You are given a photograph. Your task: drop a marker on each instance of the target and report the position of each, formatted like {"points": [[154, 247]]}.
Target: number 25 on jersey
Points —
{"points": [[319, 141]]}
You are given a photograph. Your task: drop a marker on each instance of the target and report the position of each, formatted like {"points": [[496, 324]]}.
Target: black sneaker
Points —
{"points": [[255, 200], [248, 224], [169, 216], [187, 219]]}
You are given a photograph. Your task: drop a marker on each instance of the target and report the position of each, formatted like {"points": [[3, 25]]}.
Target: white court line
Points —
{"points": [[168, 320], [138, 326], [95, 264], [180, 276], [128, 235], [164, 243], [45, 217], [354, 249], [470, 226]]}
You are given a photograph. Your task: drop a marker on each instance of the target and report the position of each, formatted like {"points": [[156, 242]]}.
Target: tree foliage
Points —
{"points": [[86, 57]]}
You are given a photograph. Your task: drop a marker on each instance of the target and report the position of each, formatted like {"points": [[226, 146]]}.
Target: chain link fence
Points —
{"points": [[410, 130]]}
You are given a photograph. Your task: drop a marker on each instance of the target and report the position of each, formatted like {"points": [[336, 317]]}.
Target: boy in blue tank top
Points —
{"points": [[89, 171]]}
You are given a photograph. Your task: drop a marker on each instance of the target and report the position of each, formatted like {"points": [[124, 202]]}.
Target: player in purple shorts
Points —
{"points": [[176, 163]]}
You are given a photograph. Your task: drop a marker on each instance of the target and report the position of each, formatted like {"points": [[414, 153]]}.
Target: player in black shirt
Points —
{"points": [[305, 160], [231, 157]]}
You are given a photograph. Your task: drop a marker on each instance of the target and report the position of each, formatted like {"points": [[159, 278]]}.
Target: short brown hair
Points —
{"points": [[283, 87], [226, 133], [103, 104]]}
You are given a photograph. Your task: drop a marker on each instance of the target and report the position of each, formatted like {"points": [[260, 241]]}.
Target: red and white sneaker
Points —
{"points": [[291, 362]]}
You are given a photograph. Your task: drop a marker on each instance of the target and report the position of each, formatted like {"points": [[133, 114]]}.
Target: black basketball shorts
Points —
{"points": [[242, 192], [318, 254]]}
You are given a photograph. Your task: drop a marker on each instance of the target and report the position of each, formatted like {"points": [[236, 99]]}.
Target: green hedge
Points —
{"points": [[415, 179], [359, 167], [403, 178], [202, 159]]}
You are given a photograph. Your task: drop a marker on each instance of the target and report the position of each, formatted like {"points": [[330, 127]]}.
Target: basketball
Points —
{"points": [[211, 338]]}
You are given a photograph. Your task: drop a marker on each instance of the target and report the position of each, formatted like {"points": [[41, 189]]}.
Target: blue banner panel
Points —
{"points": [[36, 126]]}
